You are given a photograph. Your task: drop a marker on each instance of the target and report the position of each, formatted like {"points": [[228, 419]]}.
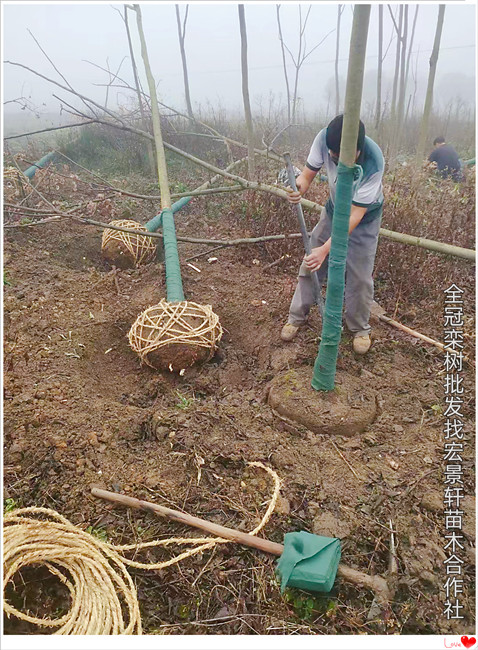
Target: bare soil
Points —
{"points": [[80, 410]]}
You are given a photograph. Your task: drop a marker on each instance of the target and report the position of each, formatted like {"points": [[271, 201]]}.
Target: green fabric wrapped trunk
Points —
{"points": [[326, 362]]}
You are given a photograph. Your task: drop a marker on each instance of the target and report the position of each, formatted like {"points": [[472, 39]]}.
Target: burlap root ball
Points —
{"points": [[125, 250], [174, 336]]}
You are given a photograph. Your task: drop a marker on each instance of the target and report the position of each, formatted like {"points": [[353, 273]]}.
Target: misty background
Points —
{"points": [[74, 34]]}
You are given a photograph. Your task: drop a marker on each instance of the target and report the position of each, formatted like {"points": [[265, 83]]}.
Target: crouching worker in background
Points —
{"points": [[364, 225], [446, 160]]}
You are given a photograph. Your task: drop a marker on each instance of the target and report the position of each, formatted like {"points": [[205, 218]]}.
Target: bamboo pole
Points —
{"points": [[429, 244]]}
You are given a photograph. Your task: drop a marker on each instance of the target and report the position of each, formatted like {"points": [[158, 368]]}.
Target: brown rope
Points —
{"points": [[94, 571]]}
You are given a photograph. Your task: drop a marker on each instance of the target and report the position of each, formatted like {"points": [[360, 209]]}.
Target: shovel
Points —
{"points": [[305, 236], [307, 561]]}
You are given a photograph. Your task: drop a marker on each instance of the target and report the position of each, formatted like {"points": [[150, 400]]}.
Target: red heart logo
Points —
{"points": [[468, 641]]}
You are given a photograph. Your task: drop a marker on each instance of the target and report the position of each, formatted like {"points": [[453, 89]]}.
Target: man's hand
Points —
{"points": [[303, 184], [317, 256]]}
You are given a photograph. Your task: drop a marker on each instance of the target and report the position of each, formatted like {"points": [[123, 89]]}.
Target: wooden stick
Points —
{"points": [[408, 330], [376, 583], [183, 518]]}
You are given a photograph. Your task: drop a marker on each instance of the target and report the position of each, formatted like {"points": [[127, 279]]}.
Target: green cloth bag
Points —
{"points": [[309, 562]]}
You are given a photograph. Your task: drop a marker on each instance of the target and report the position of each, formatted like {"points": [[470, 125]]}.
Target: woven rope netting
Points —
{"points": [[173, 324], [101, 589], [15, 185], [138, 248]]}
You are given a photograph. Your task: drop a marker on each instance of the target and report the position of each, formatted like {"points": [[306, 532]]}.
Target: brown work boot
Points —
{"points": [[362, 344], [289, 332]]}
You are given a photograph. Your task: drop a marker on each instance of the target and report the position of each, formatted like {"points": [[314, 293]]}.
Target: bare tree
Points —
{"points": [[401, 93], [245, 93], [284, 63], [302, 54], [139, 91], [398, 30], [407, 69], [378, 110], [431, 80], [182, 36]]}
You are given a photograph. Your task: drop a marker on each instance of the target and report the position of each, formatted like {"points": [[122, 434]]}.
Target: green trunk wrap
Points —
{"points": [[30, 172], [155, 223], [326, 361], [174, 283]]}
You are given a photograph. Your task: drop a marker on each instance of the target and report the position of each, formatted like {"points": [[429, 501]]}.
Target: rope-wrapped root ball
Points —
{"points": [[124, 249], [175, 335]]}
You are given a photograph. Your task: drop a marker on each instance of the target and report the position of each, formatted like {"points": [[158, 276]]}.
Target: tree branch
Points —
{"points": [[52, 128]]}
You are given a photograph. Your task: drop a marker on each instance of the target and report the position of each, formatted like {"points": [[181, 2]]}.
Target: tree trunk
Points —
{"points": [[284, 65], [397, 68], [245, 94], [337, 47], [401, 94], [407, 69], [174, 283], [326, 362], [431, 80], [151, 162], [158, 138], [378, 111], [182, 34]]}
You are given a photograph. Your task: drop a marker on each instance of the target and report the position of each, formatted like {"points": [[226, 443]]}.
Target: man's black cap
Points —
{"points": [[333, 134]]}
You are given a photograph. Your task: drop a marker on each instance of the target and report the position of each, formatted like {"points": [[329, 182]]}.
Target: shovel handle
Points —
{"points": [[183, 518], [305, 234], [375, 583]]}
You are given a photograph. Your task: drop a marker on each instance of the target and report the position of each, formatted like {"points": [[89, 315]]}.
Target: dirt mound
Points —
{"points": [[345, 411]]}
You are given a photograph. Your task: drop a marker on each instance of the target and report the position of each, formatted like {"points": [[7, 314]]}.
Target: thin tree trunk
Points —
{"points": [[431, 80], [284, 64], [401, 94], [407, 69], [245, 94], [182, 34], [379, 69], [326, 362], [151, 162], [158, 138], [397, 64], [337, 47]]}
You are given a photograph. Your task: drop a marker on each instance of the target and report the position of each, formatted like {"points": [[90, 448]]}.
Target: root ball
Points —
{"points": [[174, 336], [125, 250]]}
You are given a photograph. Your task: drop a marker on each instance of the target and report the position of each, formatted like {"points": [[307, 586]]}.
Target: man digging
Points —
{"points": [[364, 226]]}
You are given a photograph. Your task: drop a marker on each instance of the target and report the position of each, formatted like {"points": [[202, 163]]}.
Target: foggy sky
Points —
{"points": [[71, 33]]}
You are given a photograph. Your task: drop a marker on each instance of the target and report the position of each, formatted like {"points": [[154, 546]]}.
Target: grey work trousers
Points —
{"points": [[358, 275]]}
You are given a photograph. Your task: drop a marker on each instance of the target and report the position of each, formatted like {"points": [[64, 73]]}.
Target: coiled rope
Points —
{"points": [[95, 573]]}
